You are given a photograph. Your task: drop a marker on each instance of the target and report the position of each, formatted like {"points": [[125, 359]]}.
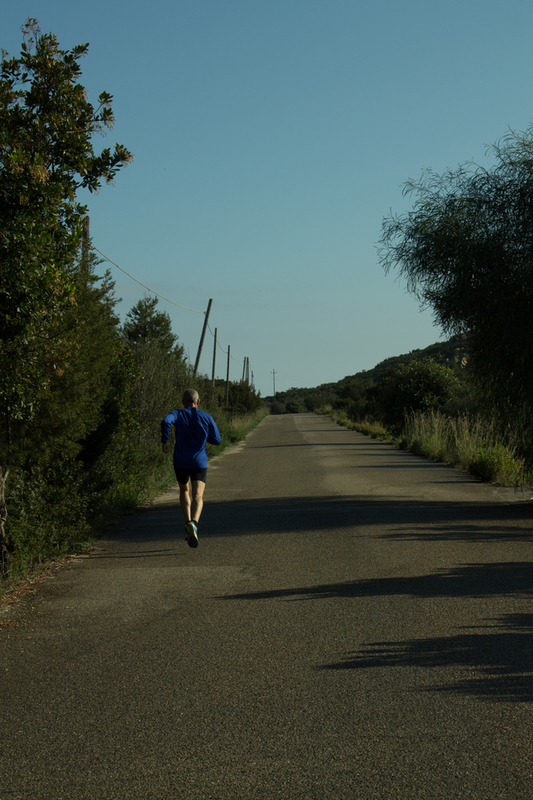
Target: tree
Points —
{"points": [[352, 397], [422, 386], [46, 156], [466, 250], [73, 406], [163, 371], [145, 324]]}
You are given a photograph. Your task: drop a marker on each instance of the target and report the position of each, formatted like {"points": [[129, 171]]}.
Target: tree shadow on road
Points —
{"points": [[496, 666], [491, 662], [472, 580], [330, 516], [402, 519]]}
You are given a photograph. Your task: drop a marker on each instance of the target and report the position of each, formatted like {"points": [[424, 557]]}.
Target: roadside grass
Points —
{"points": [[369, 427], [62, 514], [465, 442], [235, 428]]}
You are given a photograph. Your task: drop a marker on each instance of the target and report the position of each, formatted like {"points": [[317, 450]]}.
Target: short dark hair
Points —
{"points": [[190, 397]]}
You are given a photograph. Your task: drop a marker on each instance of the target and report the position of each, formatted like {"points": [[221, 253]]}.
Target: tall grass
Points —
{"points": [[466, 442], [234, 428], [471, 443], [369, 427]]}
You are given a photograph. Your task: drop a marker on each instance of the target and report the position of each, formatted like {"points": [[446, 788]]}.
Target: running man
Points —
{"points": [[193, 429]]}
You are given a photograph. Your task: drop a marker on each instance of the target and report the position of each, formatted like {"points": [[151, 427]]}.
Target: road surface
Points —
{"points": [[356, 624]]}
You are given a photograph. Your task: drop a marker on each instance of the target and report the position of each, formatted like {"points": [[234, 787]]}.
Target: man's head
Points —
{"points": [[190, 398]]}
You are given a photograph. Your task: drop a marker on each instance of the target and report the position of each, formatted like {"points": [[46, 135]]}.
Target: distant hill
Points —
{"points": [[453, 352]]}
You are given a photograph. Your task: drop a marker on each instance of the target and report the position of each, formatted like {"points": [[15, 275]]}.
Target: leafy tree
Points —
{"points": [[422, 386], [243, 398], [163, 370], [46, 155], [466, 250], [276, 407], [294, 407], [352, 397], [145, 324]]}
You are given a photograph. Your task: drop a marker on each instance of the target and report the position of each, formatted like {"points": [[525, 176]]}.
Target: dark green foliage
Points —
{"points": [[73, 405], [293, 407], [423, 386], [353, 394], [163, 374], [145, 325], [243, 398], [277, 408], [50, 376], [466, 250], [352, 398], [46, 126], [48, 512]]}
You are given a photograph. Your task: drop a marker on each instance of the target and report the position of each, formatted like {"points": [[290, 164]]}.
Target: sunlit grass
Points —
{"points": [[468, 443]]}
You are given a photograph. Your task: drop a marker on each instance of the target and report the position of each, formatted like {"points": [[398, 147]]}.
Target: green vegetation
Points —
{"points": [[466, 251], [468, 443], [82, 397], [417, 386], [471, 443], [429, 407], [350, 393]]}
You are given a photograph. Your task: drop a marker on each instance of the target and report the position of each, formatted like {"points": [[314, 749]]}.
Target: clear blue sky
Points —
{"points": [[271, 137]]}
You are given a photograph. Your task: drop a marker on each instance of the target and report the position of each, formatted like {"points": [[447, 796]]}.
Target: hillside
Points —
{"points": [[452, 352]]}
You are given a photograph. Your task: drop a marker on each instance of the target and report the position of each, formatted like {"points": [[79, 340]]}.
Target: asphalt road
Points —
{"points": [[356, 623]]}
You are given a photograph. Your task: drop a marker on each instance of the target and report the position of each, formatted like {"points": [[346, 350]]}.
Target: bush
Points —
{"points": [[467, 442], [293, 407], [418, 386]]}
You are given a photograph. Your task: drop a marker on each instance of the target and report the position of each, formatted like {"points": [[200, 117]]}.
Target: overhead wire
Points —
{"points": [[221, 348], [165, 298], [145, 286]]}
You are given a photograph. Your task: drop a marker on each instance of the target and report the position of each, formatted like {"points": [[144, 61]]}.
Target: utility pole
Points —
{"points": [[227, 382], [246, 370], [202, 339], [274, 379], [214, 358], [85, 245]]}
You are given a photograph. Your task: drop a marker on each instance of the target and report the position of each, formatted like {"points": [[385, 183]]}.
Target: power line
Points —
{"points": [[145, 286], [220, 346], [165, 298]]}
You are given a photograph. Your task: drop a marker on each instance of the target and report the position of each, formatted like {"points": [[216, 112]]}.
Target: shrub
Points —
{"points": [[417, 386]]}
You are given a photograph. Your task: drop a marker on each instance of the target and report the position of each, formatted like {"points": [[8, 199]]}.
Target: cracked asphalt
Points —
{"points": [[356, 624]]}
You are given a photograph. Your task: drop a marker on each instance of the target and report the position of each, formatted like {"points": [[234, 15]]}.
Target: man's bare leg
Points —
{"points": [[197, 504], [185, 501], [192, 509]]}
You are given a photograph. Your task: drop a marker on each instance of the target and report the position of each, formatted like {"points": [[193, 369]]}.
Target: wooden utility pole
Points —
{"points": [[85, 245], [274, 379], [227, 382], [195, 370], [214, 358]]}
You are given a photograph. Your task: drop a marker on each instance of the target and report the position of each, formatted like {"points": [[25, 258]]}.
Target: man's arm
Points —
{"points": [[166, 424], [213, 435]]}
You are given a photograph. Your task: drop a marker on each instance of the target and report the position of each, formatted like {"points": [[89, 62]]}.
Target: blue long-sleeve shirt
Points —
{"points": [[194, 428]]}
